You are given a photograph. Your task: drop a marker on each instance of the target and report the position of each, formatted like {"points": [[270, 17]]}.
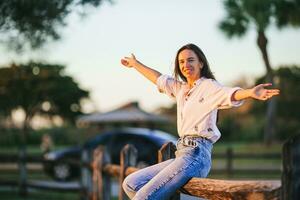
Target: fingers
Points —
{"points": [[128, 61], [269, 95], [124, 62], [264, 98], [263, 85], [273, 92], [266, 84], [266, 94]]}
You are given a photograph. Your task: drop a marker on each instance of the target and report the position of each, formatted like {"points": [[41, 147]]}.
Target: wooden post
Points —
{"points": [[101, 180], [291, 169], [86, 177], [128, 157], [167, 151], [23, 171], [229, 164]]}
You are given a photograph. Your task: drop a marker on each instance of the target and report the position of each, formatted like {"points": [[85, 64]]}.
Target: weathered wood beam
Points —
{"points": [[232, 189], [220, 189]]}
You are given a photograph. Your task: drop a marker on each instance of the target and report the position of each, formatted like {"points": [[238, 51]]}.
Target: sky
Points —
{"points": [[92, 47]]}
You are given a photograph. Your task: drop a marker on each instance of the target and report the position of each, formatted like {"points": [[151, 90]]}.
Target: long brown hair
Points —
{"points": [[205, 71]]}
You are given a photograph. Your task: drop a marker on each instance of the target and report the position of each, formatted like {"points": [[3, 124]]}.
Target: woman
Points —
{"points": [[198, 96]]}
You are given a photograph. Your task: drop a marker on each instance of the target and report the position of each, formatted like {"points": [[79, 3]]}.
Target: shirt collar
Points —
{"points": [[196, 83]]}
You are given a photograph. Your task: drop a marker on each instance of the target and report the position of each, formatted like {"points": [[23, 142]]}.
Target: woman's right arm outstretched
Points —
{"points": [[149, 73]]}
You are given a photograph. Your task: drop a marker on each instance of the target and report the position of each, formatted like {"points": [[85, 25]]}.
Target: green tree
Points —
{"points": [[29, 24], [41, 89], [38, 88], [245, 14]]}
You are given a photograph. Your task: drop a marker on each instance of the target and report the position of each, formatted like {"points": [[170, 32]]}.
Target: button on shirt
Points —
{"points": [[197, 107]]}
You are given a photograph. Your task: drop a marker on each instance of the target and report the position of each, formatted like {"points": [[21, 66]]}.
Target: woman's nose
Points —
{"points": [[186, 64]]}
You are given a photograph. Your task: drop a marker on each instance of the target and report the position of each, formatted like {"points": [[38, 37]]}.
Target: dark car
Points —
{"points": [[147, 142]]}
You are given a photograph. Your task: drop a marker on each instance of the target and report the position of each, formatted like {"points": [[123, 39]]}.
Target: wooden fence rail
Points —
{"points": [[228, 157], [98, 171]]}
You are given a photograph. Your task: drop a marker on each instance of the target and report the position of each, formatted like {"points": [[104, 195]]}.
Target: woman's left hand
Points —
{"points": [[261, 93]]}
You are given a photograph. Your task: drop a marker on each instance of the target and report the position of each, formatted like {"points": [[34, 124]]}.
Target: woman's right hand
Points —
{"points": [[129, 61], [149, 73]]}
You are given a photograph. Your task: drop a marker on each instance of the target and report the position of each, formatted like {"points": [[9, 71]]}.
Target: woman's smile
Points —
{"points": [[188, 70]]}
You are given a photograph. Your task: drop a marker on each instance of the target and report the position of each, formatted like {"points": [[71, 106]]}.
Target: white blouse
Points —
{"points": [[197, 107]]}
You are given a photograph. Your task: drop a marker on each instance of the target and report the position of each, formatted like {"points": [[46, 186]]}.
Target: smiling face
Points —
{"points": [[189, 65]]}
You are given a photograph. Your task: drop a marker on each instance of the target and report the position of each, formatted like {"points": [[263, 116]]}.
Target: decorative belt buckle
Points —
{"points": [[191, 143]]}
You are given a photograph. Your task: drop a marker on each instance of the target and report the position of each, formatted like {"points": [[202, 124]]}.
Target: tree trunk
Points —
{"points": [[269, 130]]}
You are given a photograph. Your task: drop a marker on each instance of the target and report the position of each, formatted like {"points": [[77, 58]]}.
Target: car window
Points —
{"points": [[98, 140], [147, 150]]}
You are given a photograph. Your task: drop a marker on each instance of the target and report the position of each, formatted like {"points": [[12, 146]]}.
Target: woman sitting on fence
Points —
{"points": [[198, 96]]}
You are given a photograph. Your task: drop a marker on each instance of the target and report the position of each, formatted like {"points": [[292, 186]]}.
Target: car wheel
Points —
{"points": [[62, 171]]}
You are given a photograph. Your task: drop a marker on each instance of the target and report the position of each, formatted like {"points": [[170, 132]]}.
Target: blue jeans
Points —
{"points": [[160, 181]]}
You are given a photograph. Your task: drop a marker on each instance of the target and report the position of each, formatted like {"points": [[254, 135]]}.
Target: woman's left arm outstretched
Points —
{"points": [[258, 92]]}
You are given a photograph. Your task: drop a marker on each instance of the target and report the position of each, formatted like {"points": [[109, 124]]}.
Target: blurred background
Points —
{"points": [[61, 81]]}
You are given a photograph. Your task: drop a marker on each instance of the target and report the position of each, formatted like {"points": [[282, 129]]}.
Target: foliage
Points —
{"points": [[9, 138], [287, 12], [39, 89], [31, 23], [66, 135], [288, 110], [244, 14], [240, 126], [237, 124]]}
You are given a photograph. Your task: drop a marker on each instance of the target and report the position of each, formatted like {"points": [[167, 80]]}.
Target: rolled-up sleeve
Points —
{"points": [[168, 85], [222, 96]]}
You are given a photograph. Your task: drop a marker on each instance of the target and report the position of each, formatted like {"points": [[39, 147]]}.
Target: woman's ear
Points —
{"points": [[201, 65]]}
